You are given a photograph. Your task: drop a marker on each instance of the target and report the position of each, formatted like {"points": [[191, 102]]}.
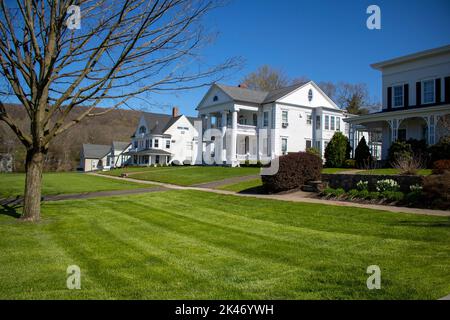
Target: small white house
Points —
{"points": [[416, 99], [255, 124], [164, 139], [103, 157]]}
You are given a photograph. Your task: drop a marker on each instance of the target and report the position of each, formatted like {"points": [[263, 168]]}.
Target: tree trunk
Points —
{"points": [[33, 182]]}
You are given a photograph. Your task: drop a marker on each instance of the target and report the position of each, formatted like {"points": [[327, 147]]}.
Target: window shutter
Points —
{"points": [[418, 93], [437, 91], [447, 89], [406, 95], [389, 98]]}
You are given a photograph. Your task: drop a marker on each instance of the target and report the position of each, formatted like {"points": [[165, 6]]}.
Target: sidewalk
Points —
{"points": [[298, 196]]}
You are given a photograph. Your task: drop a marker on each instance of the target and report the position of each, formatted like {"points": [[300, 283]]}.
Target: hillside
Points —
{"points": [[64, 151]]}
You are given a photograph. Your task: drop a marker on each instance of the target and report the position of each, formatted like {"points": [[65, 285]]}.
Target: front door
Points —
{"points": [[157, 159]]}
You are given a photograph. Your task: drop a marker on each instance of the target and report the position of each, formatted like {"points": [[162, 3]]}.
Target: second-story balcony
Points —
{"points": [[246, 129]]}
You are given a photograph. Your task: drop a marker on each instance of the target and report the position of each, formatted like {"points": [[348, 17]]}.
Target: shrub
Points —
{"points": [[392, 195], [363, 158], [436, 189], [413, 197], [440, 150], [363, 194], [333, 192], [415, 188], [374, 195], [337, 151], [419, 148], [350, 163], [387, 185], [295, 169], [408, 165], [353, 193], [314, 151], [362, 185], [399, 150], [440, 166]]}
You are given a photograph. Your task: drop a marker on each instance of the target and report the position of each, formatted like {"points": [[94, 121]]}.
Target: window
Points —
{"points": [[141, 144], [242, 120], [401, 135], [156, 143], [310, 95], [147, 144], [255, 119], [135, 144], [215, 98], [284, 145], [284, 118], [266, 118], [308, 144], [318, 147], [338, 124], [318, 122], [428, 91], [167, 144], [398, 96], [332, 122], [327, 122], [142, 129], [150, 143], [308, 119]]}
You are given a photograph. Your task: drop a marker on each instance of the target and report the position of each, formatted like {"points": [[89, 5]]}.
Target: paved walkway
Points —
{"points": [[298, 196], [75, 196]]}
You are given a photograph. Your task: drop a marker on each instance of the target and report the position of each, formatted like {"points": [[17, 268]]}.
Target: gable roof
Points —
{"points": [[120, 145], [158, 123], [257, 96], [95, 151]]}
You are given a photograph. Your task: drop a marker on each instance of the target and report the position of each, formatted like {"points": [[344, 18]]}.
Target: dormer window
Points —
{"points": [[142, 129], [215, 98]]}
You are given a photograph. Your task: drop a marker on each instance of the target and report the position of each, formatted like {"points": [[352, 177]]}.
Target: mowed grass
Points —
{"points": [[248, 185], [198, 245], [13, 184], [335, 170], [188, 175], [392, 171]]}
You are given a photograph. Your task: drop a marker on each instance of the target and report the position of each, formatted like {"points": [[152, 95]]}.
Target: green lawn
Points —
{"points": [[198, 245], [335, 170], [242, 186], [189, 175], [391, 171], [12, 184]]}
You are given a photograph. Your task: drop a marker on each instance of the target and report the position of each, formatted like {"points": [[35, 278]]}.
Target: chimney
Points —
{"points": [[174, 112]]}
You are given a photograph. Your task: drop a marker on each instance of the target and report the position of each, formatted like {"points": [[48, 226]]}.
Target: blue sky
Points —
{"points": [[323, 40]]}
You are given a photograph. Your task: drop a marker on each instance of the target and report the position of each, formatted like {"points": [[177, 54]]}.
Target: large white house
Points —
{"points": [[163, 139], [253, 124], [416, 99]]}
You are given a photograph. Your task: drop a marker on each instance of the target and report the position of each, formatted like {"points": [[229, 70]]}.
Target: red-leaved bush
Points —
{"points": [[295, 169], [440, 166]]}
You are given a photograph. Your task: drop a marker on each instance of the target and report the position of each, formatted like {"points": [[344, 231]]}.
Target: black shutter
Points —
{"points": [[447, 89], [389, 98], [437, 91], [406, 95], [418, 93]]}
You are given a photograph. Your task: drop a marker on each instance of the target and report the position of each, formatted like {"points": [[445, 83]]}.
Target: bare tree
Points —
{"points": [[266, 78], [123, 50]]}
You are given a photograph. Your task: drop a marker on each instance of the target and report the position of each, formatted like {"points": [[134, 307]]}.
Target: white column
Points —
{"points": [[431, 129], [233, 138], [223, 152]]}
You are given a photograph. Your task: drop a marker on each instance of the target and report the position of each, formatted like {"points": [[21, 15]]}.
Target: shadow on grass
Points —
{"points": [[10, 206], [254, 190]]}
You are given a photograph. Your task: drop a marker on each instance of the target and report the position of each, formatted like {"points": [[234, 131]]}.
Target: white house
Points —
{"points": [[416, 99], [100, 157], [253, 123], [164, 139]]}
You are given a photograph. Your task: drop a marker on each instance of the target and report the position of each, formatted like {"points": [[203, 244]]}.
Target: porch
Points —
{"points": [[426, 123], [148, 157]]}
